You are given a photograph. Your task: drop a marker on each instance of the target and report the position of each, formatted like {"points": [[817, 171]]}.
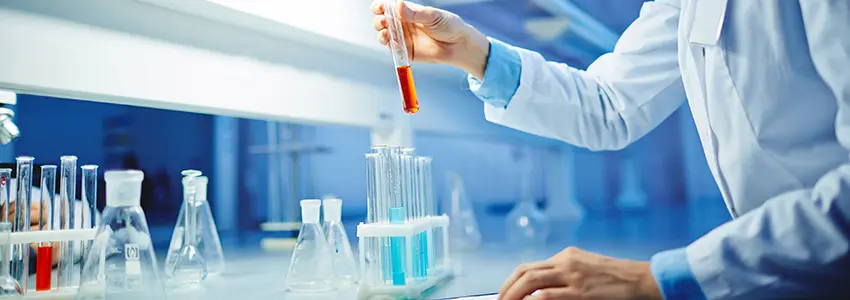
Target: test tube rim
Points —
{"points": [[24, 159], [67, 157], [89, 167]]}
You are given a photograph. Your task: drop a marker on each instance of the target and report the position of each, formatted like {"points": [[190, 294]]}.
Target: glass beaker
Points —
{"points": [[341, 255], [121, 263], [311, 268]]}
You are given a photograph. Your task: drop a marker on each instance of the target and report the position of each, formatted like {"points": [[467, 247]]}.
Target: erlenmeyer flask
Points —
{"points": [[122, 262], [464, 233], [207, 242], [185, 266], [8, 285], [527, 225], [311, 268], [340, 248], [632, 195]]}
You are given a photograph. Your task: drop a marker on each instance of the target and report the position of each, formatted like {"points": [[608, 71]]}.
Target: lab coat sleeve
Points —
{"points": [[796, 244], [620, 97], [501, 78]]}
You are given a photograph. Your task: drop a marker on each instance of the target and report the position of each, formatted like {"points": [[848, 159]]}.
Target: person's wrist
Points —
{"points": [[473, 53], [647, 287]]}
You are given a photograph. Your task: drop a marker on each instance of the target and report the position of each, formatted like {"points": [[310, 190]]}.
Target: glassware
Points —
{"points": [[68, 195], [401, 58], [8, 285], [89, 215], [632, 195], [341, 255], [21, 223], [311, 268], [464, 233], [122, 263], [186, 266], [527, 225], [207, 242], [44, 256]]}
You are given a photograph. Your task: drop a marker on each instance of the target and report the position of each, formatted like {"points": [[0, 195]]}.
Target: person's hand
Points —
{"points": [[436, 36], [576, 274]]}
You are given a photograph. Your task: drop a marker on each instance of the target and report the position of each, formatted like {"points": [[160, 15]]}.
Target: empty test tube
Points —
{"points": [[23, 206], [89, 213], [67, 194]]}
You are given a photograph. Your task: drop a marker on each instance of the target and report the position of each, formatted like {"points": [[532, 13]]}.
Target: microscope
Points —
{"points": [[8, 130]]}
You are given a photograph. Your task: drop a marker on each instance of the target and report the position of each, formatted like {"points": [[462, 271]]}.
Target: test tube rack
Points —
{"points": [[378, 273], [62, 235]]}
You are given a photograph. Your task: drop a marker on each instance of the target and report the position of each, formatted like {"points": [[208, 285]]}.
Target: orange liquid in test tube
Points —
{"points": [[408, 89]]}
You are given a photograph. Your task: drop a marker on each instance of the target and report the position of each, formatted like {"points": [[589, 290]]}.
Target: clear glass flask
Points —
{"points": [[186, 266], [9, 286], [464, 233], [527, 226], [207, 242], [311, 267], [121, 263], [341, 255]]}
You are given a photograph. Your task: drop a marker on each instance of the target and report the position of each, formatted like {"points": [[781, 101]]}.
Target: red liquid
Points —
{"points": [[43, 268], [408, 89]]}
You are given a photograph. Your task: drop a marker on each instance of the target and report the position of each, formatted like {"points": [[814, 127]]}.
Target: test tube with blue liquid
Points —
{"points": [[389, 209]]}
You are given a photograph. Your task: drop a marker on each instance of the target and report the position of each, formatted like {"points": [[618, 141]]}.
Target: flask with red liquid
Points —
{"points": [[401, 58]]}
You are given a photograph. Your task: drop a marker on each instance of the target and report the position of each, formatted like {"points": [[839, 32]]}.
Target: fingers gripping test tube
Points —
{"points": [[400, 57], [67, 194], [23, 206]]}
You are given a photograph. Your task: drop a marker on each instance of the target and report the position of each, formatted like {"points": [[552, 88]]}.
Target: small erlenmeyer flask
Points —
{"points": [[311, 268], [527, 225], [207, 242], [464, 233], [341, 254], [122, 262], [185, 266], [8, 285]]}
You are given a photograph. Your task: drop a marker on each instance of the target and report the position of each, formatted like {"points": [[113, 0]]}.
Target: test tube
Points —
{"points": [[5, 179], [67, 193], [400, 57], [371, 197], [44, 255], [23, 206], [89, 214]]}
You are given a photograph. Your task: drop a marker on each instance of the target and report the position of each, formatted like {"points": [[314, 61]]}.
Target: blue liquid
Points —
{"points": [[397, 247], [423, 253]]}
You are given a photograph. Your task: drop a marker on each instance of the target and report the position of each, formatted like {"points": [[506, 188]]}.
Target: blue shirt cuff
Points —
{"points": [[674, 277], [501, 78]]}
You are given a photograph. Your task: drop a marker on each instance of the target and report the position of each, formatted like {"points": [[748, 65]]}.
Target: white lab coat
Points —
{"points": [[771, 101]]}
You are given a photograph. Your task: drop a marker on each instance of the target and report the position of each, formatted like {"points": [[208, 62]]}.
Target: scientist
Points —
{"points": [[768, 85]]}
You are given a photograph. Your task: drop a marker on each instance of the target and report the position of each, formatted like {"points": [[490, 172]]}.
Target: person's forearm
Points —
{"points": [[471, 56]]}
